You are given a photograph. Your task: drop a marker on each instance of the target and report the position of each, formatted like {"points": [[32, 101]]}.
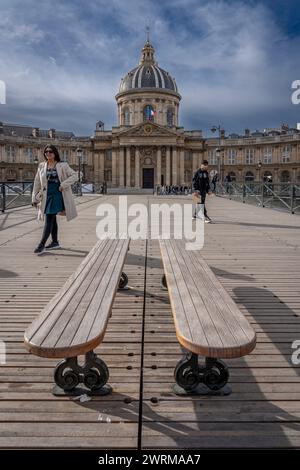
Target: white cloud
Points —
{"points": [[230, 59]]}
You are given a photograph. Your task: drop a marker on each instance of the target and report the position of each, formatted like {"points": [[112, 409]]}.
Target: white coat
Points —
{"points": [[67, 176]]}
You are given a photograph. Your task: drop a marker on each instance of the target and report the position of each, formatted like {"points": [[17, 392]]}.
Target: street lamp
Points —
{"points": [[79, 156], [218, 150], [259, 165]]}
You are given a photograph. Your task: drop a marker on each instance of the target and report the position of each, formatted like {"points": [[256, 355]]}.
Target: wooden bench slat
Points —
{"points": [[181, 319], [207, 321], [205, 313], [103, 298], [218, 302], [76, 323], [72, 315], [50, 313]]}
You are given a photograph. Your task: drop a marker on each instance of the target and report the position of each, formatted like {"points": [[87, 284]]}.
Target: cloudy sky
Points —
{"points": [[234, 61]]}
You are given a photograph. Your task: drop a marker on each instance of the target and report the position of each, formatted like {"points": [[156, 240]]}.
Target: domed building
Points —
{"points": [[148, 148]]}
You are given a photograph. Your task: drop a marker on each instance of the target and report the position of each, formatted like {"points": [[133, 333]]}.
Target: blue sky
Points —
{"points": [[234, 61]]}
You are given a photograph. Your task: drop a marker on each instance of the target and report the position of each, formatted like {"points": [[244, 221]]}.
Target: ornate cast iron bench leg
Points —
{"points": [[213, 376], [94, 374], [123, 281]]}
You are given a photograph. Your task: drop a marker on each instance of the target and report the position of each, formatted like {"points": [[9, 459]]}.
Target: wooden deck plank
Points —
{"points": [[255, 255]]}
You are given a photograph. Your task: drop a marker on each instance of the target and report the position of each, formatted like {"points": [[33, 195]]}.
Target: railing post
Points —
{"points": [[293, 198], [244, 193], [263, 195], [3, 197]]}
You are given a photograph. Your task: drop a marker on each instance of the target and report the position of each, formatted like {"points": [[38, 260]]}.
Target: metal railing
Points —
{"points": [[172, 190], [18, 194], [281, 196], [15, 194]]}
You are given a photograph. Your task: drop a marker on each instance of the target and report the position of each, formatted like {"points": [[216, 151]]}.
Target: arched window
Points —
{"points": [[11, 175], [249, 176], [249, 180], [170, 117], [232, 176], [149, 113], [267, 177], [285, 176], [126, 117]]}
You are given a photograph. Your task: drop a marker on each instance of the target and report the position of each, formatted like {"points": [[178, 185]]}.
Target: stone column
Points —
{"points": [[101, 165], [174, 166], [195, 162], [137, 167], [158, 167], [121, 167], [96, 167], [127, 154], [168, 166], [181, 166], [114, 167]]}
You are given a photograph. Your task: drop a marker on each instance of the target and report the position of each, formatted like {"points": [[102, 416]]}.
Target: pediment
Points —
{"points": [[148, 129]]}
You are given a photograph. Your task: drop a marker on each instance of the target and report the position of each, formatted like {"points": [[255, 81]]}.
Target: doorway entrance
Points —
{"points": [[148, 178]]}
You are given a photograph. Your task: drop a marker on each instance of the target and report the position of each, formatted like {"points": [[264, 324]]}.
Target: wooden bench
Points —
{"points": [[74, 322], [207, 321]]}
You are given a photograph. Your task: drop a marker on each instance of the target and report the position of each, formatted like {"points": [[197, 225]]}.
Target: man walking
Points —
{"points": [[201, 187]]}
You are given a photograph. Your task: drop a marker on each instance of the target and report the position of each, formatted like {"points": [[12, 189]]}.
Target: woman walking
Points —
{"points": [[52, 194]]}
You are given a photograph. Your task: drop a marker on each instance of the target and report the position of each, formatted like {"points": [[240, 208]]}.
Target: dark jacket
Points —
{"points": [[201, 181]]}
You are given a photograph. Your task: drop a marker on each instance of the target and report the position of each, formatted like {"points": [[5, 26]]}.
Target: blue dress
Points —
{"points": [[54, 202]]}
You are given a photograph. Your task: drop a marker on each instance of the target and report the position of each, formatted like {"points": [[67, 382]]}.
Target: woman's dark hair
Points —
{"points": [[55, 151]]}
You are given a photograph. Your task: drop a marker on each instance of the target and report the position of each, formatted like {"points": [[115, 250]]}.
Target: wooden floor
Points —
{"points": [[255, 253]]}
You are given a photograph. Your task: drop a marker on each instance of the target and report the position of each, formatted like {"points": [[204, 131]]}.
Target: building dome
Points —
{"points": [[148, 74]]}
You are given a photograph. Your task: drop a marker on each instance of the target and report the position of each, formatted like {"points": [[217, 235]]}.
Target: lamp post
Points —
{"points": [[259, 165], [79, 156], [218, 150]]}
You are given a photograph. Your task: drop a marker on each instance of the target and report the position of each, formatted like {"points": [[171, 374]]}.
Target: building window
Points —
{"points": [[187, 176], [286, 154], [10, 151], [188, 155], [126, 117], [170, 117], [249, 177], [212, 157], [232, 176], [285, 176], [109, 155], [267, 178], [28, 175], [65, 153], [107, 176], [11, 175], [28, 152], [84, 155], [250, 154], [149, 113], [268, 155], [231, 156]]}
